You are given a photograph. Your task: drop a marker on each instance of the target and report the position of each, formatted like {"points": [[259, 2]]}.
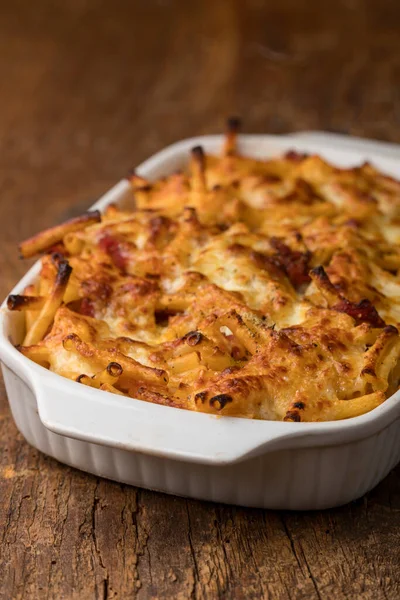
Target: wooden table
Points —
{"points": [[89, 89]]}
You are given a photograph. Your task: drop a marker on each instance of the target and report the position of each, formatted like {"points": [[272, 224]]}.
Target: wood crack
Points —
{"points": [[106, 577], [193, 555], [294, 551]]}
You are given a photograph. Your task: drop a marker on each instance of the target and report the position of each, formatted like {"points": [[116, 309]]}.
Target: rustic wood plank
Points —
{"points": [[89, 89]]}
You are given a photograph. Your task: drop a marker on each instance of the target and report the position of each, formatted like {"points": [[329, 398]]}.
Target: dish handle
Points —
{"points": [[73, 410]]}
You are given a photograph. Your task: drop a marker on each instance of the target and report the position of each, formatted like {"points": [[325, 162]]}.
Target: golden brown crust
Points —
{"points": [[257, 288]]}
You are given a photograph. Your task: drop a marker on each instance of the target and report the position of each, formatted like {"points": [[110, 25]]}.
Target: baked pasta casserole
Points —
{"points": [[265, 289]]}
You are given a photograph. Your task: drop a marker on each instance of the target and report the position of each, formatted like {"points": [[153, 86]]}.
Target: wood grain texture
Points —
{"points": [[87, 90]]}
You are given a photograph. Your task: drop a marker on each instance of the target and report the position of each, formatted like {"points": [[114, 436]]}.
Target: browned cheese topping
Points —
{"points": [[265, 289]]}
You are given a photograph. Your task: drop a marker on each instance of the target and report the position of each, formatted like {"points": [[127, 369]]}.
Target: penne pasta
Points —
{"points": [[131, 369], [49, 308], [232, 130], [85, 380], [39, 354], [104, 379], [345, 409], [198, 170], [25, 302], [109, 375], [107, 387], [30, 315], [44, 240]]}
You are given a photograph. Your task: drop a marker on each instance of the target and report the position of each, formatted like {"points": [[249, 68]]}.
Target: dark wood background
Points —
{"points": [[87, 90]]}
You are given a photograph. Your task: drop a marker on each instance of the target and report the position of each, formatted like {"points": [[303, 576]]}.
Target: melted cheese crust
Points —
{"points": [[265, 289]]}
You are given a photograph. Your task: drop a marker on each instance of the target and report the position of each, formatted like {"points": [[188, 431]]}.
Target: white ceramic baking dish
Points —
{"points": [[233, 460]]}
